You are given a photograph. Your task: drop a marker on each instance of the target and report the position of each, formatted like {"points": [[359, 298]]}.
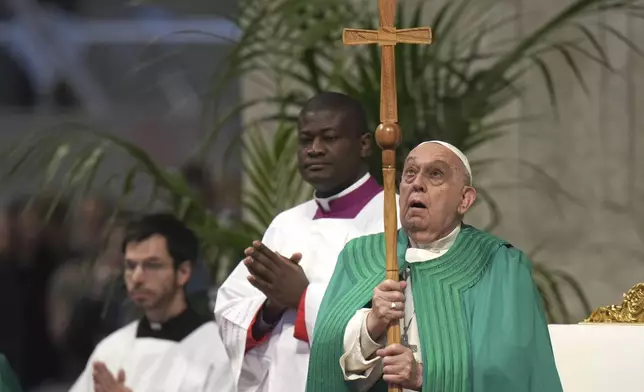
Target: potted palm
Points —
{"points": [[454, 90]]}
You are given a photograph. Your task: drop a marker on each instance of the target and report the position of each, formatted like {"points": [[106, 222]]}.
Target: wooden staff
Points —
{"points": [[388, 133]]}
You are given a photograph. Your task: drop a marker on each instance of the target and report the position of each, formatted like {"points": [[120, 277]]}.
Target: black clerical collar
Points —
{"points": [[175, 329]]}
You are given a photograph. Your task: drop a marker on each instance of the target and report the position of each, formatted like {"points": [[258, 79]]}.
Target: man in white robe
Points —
{"points": [[267, 318], [172, 348]]}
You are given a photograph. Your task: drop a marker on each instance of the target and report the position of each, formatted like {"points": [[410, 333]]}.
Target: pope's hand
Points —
{"points": [[281, 279], [382, 312], [400, 368]]}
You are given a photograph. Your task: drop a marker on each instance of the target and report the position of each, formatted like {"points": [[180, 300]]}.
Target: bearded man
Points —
{"points": [[172, 348]]}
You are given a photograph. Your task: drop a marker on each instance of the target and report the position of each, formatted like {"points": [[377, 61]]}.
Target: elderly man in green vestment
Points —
{"points": [[470, 314]]}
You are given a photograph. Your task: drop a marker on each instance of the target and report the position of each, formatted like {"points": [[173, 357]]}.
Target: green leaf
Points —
{"points": [[573, 65], [603, 58], [624, 39], [550, 85], [456, 89], [495, 210], [54, 165]]}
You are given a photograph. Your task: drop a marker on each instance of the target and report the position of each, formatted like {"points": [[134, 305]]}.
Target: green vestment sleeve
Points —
{"points": [[480, 318], [8, 380], [510, 343]]}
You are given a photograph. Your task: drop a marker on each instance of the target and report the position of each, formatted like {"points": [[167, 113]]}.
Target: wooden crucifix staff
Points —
{"points": [[388, 134]]}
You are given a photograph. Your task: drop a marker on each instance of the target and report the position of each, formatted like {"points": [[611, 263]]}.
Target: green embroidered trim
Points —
{"points": [[443, 328], [438, 285]]}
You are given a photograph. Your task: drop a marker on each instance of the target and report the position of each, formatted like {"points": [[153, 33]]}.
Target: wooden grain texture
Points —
{"points": [[388, 134], [417, 35], [387, 13], [420, 35], [391, 217], [359, 36], [388, 96]]}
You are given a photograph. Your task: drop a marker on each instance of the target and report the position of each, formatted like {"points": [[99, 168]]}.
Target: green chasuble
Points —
{"points": [[8, 380], [480, 318]]}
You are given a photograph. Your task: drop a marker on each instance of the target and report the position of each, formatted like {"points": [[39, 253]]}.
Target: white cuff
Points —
{"points": [[358, 346], [367, 345]]}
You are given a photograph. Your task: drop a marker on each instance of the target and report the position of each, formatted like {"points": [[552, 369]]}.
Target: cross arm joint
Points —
{"points": [[387, 36]]}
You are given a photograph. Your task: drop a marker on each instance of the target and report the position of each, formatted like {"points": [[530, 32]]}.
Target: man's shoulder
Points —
{"points": [[508, 256], [503, 250], [365, 239], [208, 327], [368, 246], [377, 201], [205, 336], [116, 339], [300, 211], [482, 234]]}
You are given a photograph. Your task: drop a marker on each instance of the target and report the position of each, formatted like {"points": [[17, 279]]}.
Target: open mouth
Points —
{"points": [[417, 204]]}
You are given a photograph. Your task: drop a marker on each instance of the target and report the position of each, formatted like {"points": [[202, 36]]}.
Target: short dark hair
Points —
{"points": [[350, 107], [182, 243]]}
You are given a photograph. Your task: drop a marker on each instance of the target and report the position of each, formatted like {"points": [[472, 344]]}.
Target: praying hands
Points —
{"points": [[281, 279], [104, 381]]}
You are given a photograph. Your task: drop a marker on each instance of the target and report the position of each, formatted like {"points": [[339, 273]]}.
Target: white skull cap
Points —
{"points": [[456, 152]]}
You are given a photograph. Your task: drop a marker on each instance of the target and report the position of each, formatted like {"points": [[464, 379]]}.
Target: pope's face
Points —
{"points": [[434, 193]]}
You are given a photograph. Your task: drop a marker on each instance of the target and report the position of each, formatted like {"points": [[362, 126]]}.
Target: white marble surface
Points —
{"points": [[599, 358]]}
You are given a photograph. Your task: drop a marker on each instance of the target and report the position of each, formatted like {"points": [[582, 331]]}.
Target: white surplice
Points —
{"points": [[198, 363], [281, 363], [359, 363]]}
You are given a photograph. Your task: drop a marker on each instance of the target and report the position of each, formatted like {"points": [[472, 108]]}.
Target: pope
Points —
{"points": [[470, 314]]}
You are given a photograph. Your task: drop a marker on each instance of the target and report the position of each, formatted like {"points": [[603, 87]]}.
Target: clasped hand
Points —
{"points": [[104, 381], [281, 279], [400, 368], [382, 314]]}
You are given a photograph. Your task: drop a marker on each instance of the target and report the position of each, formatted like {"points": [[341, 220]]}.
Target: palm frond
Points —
{"points": [[455, 90], [274, 181]]}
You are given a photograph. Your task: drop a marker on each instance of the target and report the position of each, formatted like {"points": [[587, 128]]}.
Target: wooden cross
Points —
{"points": [[388, 133]]}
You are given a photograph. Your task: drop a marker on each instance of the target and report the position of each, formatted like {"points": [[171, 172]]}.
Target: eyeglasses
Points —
{"points": [[147, 266]]}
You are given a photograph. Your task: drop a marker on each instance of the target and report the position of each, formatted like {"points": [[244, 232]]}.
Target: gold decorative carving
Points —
{"points": [[631, 310]]}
